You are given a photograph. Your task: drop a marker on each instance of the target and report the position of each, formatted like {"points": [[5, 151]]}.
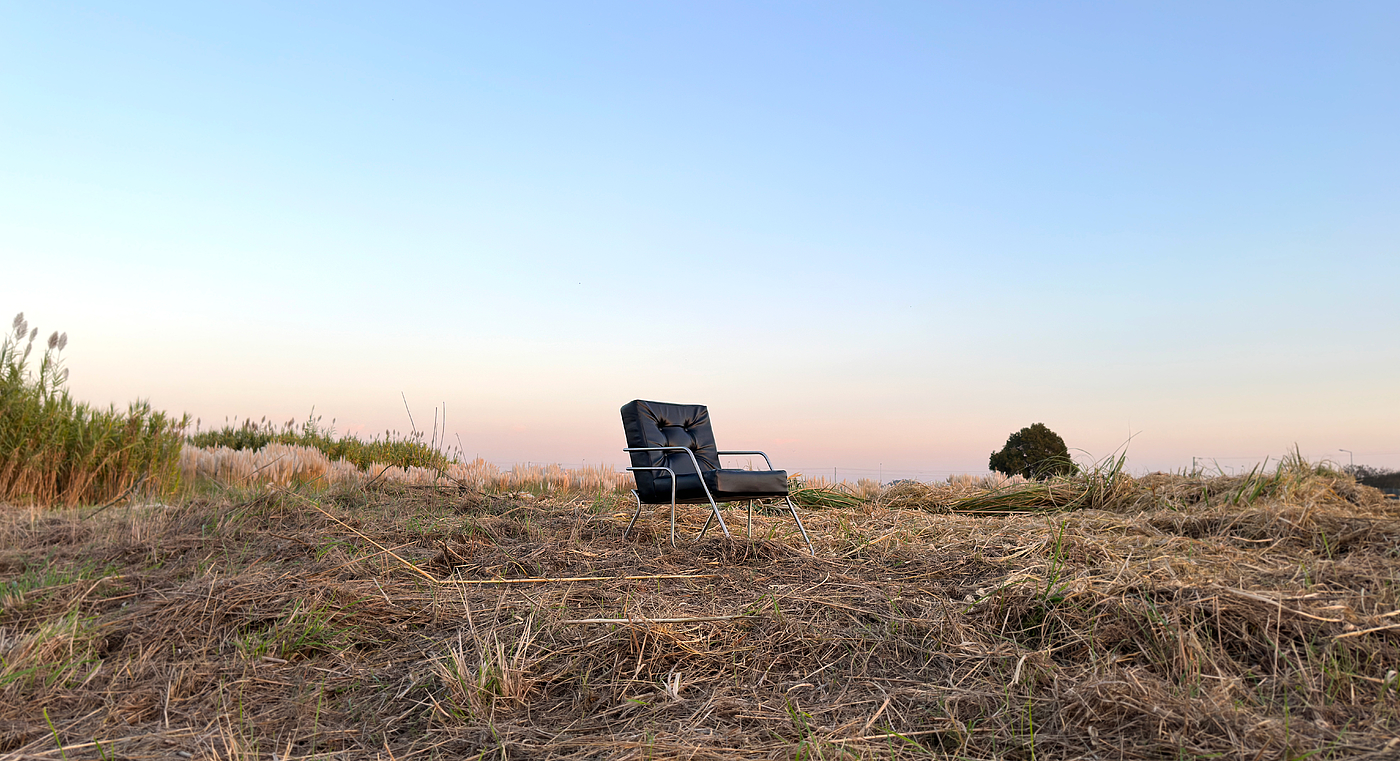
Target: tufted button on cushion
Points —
{"points": [[676, 436]]}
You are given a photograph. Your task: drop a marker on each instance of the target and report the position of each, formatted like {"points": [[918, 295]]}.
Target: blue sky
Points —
{"points": [[868, 235]]}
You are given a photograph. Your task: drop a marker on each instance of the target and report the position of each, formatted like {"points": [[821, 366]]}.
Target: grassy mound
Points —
{"points": [[1108, 486], [1176, 619]]}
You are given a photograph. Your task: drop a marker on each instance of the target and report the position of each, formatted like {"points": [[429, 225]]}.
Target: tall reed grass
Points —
{"points": [[57, 451], [288, 465], [403, 451]]}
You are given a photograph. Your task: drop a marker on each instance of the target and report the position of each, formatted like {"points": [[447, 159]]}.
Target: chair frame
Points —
{"points": [[714, 506]]}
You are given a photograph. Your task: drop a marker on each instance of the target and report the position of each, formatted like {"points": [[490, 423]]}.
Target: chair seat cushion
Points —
{"points": [[746, 484], [725, 486]]}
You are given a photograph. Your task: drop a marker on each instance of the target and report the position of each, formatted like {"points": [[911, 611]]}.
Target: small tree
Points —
{"points": [[1034, 452]]}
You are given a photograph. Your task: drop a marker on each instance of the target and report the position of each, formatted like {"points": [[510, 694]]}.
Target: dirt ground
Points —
{"points": [[1218, 619]]}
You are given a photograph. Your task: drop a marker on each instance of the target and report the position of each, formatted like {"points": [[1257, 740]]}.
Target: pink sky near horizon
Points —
{"points": [[507, 409]]}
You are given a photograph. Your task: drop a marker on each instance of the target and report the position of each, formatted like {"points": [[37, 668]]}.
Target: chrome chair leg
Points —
{"points": [[714, 515], [673, 502], [793, 509], [635, 515], [673, 518], [628, 530]]}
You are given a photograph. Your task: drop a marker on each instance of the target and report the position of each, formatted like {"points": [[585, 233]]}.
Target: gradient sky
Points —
{"points": [[870, 236]]}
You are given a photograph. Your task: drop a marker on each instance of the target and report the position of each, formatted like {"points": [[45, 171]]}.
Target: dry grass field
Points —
{"points": [[290, 465], [1099, 617]]}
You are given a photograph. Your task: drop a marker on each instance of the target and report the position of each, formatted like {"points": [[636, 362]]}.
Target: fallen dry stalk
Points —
{"points": [[1372, 630], [543, 579], [1278, 603], [639, 620], [352, 530]]}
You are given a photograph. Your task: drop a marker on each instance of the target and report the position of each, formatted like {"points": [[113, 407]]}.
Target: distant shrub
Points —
{"points": [[1033, 452], [53, 450], [397, 450], [1380, 478]]}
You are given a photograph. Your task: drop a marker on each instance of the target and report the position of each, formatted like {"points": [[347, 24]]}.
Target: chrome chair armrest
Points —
{"points": [[766, 461], [687, 450], [668, 470], [650, 467]]}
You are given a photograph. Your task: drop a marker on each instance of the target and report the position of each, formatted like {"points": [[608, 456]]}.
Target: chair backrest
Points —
{"points": [[661, 424]]}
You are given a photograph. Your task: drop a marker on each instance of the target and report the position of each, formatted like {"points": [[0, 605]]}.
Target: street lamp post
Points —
{"points": [[1352, 455]]}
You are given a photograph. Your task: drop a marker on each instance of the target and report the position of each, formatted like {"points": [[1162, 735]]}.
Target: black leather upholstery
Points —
{"points": [[660, 424], [747, 484]]}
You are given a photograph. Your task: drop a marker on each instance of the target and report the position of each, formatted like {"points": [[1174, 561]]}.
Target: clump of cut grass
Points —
{"points": [[54, 450], [939, 495], [1103, 486], [820, 493]]}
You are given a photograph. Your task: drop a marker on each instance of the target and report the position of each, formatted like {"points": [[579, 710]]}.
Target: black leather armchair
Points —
{"points": [[675, 461]]}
